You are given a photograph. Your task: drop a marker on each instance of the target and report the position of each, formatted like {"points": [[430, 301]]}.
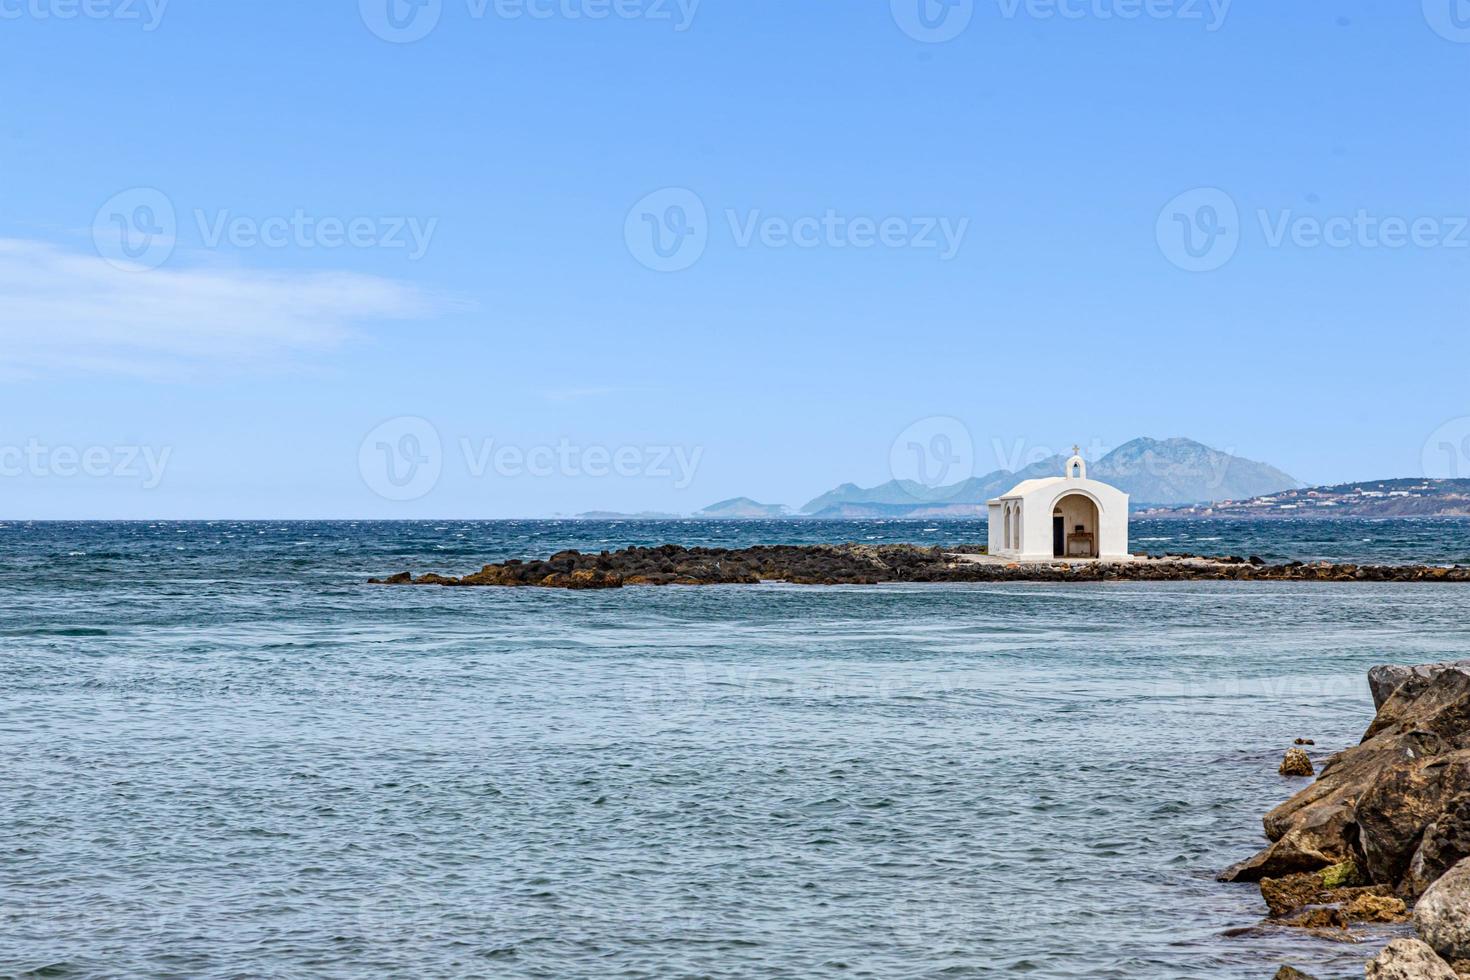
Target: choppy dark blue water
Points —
{"points": [[224, 755]]}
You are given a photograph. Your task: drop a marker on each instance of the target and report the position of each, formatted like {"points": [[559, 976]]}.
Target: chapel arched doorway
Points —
{"points": [[1075, 531]]}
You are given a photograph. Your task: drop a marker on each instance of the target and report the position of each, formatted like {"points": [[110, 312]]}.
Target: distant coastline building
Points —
{"points": [[1060, 517]]}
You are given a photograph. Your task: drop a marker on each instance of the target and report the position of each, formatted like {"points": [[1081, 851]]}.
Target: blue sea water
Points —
{"points": [[225, 755]]}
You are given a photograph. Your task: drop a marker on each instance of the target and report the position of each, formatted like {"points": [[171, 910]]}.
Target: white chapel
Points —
{"points": [[1066, 516]]}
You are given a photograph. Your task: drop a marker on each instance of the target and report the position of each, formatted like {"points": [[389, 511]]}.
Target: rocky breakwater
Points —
{"points": [[1384, 828], [855, 564], [674, 565]]}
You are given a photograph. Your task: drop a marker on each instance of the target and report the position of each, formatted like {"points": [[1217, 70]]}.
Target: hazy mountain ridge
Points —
{"points": [[1157, 472], [1154, 472]]}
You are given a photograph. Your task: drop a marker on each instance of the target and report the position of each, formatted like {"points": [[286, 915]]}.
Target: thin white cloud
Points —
{"points": [[68, 311]]}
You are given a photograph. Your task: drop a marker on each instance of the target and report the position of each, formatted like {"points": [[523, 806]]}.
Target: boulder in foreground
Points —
{"points": [[1409, 959], [1397, 805], [1442, 916]]}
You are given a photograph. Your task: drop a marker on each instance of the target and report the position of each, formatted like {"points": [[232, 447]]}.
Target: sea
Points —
{"points": [[226, 755]]}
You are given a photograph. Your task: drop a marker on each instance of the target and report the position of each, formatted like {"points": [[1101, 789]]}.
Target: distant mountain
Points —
{"points": [[1153, 472], [612, 515], [1373, 498], [1182, 471], [743, 508], [903, 495]]}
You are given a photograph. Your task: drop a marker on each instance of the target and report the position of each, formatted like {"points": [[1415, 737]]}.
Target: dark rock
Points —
{"points": [[855, 564], [1402, 803], [1337, 885], [1296, 763], [1285, 895], [1376, 908], [433, 579], [1445, 844], [1319, 917], [1384, 680], [1291, 973], [402, 578], [1288, 856]]}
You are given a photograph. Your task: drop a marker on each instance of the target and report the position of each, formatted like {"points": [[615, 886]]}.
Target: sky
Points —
{"points": [[521, 258]]}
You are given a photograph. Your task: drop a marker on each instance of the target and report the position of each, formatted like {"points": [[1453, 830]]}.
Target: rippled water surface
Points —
{"points": [[226, 756]]}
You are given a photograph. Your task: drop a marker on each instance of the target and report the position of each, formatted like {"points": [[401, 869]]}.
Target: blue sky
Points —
{"points": [[372, 276]]}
